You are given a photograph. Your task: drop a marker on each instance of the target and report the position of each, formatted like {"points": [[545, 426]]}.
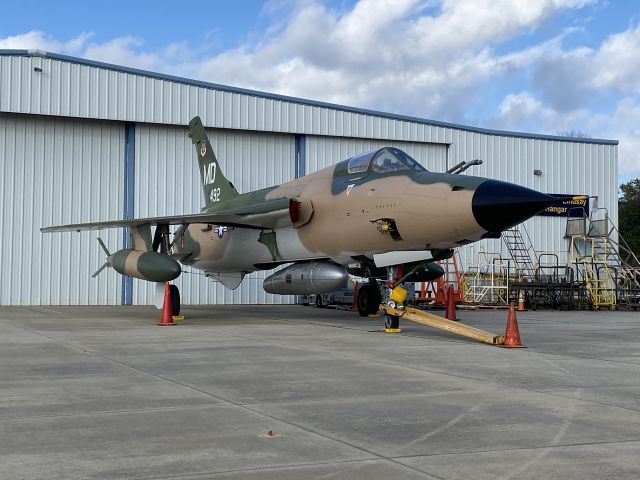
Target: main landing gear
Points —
{"points": [[175, 300], [369, 298]]}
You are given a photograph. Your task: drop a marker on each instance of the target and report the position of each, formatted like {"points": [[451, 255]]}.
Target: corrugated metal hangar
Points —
{"points": [[85, 141]]}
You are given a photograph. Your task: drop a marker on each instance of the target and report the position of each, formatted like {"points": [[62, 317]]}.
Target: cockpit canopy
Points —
{"points": [[384, 160]]}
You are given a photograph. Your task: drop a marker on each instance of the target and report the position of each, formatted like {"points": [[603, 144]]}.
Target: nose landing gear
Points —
{"points": [[396, 301]]}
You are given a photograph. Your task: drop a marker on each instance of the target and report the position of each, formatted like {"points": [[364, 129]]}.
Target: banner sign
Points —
{"points": [[567, 206]]}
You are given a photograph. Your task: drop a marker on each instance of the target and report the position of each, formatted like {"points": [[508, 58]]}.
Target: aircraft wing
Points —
{"points": [[267, 214]]}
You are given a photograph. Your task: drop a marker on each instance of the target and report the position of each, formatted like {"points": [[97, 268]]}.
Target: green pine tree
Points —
{"points": [[629, 214]]}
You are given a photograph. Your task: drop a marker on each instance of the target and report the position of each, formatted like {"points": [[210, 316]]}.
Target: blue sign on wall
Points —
{"points": [[567, 206]]}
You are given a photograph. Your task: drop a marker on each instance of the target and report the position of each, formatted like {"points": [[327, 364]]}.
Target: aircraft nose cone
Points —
{"points": [[500, 205]]}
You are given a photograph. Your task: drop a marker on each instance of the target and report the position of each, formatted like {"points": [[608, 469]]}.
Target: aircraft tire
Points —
{"points": [[174, 292], [368, 300], [319, 303], [362, 302], [391, 321], [374, 299]]}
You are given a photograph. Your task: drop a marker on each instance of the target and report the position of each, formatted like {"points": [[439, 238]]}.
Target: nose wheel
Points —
{"points": [[397, 297], [391, 322]]}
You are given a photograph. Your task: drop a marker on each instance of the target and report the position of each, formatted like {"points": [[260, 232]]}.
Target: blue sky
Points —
{"points": [[543, 66]]}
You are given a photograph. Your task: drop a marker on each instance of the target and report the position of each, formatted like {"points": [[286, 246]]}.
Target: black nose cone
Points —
{"points": [[500, 205]]}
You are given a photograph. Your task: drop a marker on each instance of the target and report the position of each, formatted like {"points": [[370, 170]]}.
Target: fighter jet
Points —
{"points": [[377, 214]]}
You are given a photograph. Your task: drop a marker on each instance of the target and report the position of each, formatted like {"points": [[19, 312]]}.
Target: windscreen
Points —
{"points": [[394, 160], [360, 163]]}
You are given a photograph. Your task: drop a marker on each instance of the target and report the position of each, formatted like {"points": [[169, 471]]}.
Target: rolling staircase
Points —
{"points": [[521, 251], [606, 264]]}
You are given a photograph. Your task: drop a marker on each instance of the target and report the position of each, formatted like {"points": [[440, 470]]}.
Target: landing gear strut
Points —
{"points": [[397, 296]]}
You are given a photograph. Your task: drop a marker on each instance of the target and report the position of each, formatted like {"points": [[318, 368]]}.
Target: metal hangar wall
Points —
{"points": [[85, 141]]}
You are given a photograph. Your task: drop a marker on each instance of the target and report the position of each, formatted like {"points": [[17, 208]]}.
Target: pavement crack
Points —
{"points": [[517, 449], [228, 401]]}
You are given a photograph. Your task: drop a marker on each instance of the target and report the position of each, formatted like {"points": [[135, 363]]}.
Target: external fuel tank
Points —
{"points": [[307, 278]]}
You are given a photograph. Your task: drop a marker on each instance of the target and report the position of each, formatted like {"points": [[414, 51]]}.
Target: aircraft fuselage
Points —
{"points": [[350, 216]]}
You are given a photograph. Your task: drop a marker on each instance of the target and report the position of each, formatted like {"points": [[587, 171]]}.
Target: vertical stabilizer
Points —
{"points": [[215, 186]]}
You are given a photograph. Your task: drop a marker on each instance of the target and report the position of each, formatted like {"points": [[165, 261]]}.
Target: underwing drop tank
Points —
{"points": [[306, 278], [150, 266]]}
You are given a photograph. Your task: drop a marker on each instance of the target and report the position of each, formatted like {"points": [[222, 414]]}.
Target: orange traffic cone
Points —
{"points": [[512, 334], [166, 318], [450, 312], [354, 304], [521, 307]]}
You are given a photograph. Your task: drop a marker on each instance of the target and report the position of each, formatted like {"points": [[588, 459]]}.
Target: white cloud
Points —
{"points": [[123, 51], [417, 57], [37, 40], [522, 111], [384, 54], [176, 58], [617, 62], [388, 54], [625, 126], [530, 114]]}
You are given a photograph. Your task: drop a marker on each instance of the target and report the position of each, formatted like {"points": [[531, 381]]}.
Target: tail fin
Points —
{"points": [[215, 186]]}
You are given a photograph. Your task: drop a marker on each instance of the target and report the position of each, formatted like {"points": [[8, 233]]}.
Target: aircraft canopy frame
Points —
{"points": [[383, 160]]}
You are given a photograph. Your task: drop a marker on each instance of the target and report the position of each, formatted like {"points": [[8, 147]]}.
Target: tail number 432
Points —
{"points": [[214, 194]]}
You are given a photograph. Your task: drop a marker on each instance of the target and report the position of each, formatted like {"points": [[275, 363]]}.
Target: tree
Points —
{"points": [[629, 214], [574, 134]]}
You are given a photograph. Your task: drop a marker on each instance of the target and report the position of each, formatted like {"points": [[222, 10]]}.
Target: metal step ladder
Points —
{"points": [[604, 261], [521, 252], [618, 257]]}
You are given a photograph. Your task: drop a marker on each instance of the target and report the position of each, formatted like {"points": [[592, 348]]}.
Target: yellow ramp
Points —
{"points": [[431, 320]]}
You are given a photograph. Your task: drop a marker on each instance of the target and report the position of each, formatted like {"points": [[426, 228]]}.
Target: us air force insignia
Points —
{"points": [[220, 231], [203, 148], [349, 188]]}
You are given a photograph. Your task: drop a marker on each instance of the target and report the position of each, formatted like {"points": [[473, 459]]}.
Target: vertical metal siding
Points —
{"points": [[74, 90], [69, 89], [324, 151], [568, 167], [52, 172], [167, 183]]}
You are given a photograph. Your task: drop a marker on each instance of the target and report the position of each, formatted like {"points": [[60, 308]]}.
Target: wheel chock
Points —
{"points": [[391, 330], [178, 317]]}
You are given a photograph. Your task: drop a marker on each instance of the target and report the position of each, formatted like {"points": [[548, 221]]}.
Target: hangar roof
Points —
{"points": [[318, 122]]}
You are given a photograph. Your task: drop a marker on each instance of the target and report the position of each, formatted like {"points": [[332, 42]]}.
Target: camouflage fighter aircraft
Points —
{"points": [[377, 214]]}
